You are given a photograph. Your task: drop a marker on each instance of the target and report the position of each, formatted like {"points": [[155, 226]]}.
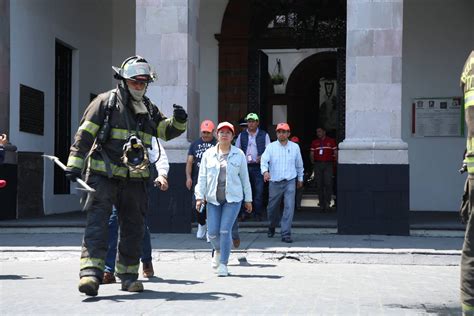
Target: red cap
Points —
{"points": [[295, 139], [225, 124], [207, 126], [282, 126], [3, 184]]}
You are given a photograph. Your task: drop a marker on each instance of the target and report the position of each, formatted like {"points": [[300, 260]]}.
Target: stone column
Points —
{"points": [[373, 173], [5, 66], [167, 36]]}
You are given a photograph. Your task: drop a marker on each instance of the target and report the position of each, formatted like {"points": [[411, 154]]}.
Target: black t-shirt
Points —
{"points": [[197, 148]]}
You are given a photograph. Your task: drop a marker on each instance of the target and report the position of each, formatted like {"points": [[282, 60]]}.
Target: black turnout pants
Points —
{"points": [[130, 199]]}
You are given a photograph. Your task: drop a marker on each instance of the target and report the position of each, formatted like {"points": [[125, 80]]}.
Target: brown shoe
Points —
{"points": [[236, 243], [108, 278], [148, 270]]}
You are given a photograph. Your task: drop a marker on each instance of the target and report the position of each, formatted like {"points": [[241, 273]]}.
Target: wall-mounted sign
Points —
{"points": [[327, 104], [31, 110], [437, 117], [279, 114]]}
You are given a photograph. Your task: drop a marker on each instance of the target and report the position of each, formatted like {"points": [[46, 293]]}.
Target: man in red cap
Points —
{"points": [[282, 166], [196, 149]]}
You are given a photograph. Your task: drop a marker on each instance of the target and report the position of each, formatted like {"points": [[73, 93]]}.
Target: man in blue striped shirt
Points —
{"points": [[282, 166]]}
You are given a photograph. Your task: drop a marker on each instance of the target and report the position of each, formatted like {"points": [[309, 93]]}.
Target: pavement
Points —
{"points": [[321, 273]]}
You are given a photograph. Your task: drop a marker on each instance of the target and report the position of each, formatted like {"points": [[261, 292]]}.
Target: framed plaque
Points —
{"points": [[437, 117], [31, 110]]}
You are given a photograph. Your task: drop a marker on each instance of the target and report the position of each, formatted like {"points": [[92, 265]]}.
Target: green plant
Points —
{"points": [[277, 78]]}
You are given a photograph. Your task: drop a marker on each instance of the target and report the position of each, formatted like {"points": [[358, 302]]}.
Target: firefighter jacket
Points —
{"points": [[467, 84], [105, 159]]}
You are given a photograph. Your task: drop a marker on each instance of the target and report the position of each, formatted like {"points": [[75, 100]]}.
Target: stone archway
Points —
{"points": [[246, 30]]}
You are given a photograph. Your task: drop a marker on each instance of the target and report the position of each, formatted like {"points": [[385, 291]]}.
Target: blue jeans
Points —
{"points": [[113, 240], [256, 182], [220, 219], [282, 189]]}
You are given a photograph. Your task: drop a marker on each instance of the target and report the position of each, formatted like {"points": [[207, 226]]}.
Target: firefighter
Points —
{"points": [[467, 258], [110, 151]]}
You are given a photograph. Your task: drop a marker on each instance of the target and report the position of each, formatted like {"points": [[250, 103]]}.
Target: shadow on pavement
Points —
{"points": [[17, 277], [254, 276], [429, 309], [244, 263], [169, 296], [169, 281]]}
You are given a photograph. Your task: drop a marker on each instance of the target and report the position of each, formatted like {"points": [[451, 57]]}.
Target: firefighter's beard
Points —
{"points": [[137, 100]]}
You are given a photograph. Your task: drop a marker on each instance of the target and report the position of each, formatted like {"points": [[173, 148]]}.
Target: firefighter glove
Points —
{"points": [[72, 174], [179, 113]]}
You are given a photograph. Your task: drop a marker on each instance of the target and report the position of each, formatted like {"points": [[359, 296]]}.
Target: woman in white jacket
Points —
{"points": [[223, 183]]}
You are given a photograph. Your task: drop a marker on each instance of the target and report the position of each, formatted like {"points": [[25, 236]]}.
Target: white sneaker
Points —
{"points": [[201, 232], [222, 270], [215, 259]]}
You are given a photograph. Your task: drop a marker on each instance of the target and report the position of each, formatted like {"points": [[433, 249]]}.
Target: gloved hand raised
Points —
{"points": [[179, 113], [72, 174]]}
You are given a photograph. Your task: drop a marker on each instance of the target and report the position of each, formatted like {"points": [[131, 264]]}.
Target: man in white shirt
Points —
{"points": [[282, 165]]}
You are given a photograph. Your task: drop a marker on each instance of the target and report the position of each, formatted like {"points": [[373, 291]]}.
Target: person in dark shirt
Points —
{"points": [[196, 149]]}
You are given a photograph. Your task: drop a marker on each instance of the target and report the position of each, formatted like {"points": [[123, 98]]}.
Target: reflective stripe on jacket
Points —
{"points": [[147, 126], [467, 84]]}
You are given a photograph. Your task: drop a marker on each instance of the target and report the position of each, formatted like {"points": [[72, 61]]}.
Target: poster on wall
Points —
{"points": [[327, 104], [279, 114], [437, 117]]}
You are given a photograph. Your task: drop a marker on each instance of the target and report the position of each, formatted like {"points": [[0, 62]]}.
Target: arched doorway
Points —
{"points": [[251, 27], [302, 96]]}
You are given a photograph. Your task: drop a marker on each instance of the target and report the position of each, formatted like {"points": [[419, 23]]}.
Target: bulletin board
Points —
{"points": [[437, 117]]}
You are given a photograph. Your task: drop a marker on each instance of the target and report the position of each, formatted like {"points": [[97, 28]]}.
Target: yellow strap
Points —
{"points": [[118, 171], [90, 127], [145, 137], [140, 174], [75, 162], [467, 308], [99, 165], [118, 133], [121, 269], [468, 98], [92, 263], [161, 129], [178, 125], [469, 145]]}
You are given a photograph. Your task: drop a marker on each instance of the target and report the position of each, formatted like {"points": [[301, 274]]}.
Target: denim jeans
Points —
{"points": [[282, 189], [256, 181], [113, 241], [220, 219]]}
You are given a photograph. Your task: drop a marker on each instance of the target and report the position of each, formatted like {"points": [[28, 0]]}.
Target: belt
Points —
{"points": [[284, 180]]}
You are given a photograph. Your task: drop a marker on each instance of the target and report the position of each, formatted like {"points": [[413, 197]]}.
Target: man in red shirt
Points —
{"points": [[323, 153]]}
